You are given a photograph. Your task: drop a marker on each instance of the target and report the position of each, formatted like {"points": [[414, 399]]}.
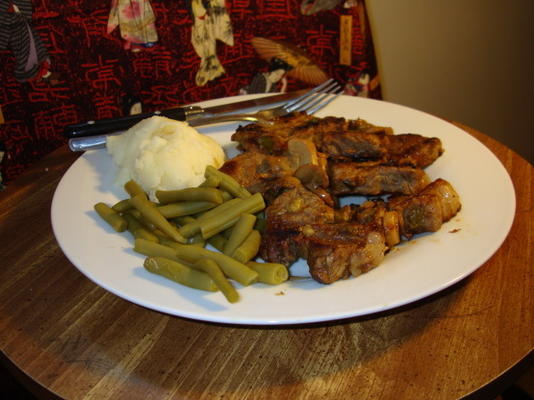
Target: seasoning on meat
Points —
{"points": [[304, 165]]}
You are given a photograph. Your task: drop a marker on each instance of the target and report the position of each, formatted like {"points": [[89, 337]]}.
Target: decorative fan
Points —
{"points": [[303, 68]]}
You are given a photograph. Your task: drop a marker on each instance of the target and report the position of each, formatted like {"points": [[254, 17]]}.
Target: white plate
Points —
{"points": [[419, 268]]}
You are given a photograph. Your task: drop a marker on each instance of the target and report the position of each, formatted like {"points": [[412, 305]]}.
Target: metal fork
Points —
{"points": [[310, 102]]}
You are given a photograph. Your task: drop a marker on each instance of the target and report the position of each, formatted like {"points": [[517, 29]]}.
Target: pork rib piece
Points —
{"points": [[428, 210], [349, 178], [272, 139], [340, 139], [301, 225], [405, 149], [336, 251], [406, 216]]}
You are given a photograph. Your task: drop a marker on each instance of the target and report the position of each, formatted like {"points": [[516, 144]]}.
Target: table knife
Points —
{"points": [[183, 113]]}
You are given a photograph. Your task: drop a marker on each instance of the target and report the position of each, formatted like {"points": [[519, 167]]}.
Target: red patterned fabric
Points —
{"points": [[92, 72]]}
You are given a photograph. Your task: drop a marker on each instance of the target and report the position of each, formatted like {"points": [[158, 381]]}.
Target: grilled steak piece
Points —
{"points": [[285, 216], [336, 251], [269, 139], [298, 206], [428, 210], [272, 139], [251, 169], [372, 212], [352, 145], [348, 178], [406, 149], [412, 150], [332, 251], [301, 164], [272, 175], [340, 138], [299, 224]]}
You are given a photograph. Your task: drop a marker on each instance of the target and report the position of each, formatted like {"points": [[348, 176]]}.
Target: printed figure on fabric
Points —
{"points": [[211, 23], [136, 22], [298, 62], [17, 35], [272, 81]]}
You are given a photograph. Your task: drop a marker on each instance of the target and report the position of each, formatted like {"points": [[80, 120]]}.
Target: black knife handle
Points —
{"points": [[110, 125]]}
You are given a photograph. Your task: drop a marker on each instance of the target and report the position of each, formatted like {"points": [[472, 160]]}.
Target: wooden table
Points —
{"points": [[63, 332]]}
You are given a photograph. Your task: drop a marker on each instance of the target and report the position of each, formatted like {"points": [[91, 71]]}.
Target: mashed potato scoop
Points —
{"points": [[163, 154]]}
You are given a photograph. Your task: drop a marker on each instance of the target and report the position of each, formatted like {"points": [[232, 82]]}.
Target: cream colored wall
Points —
{"points": [[467, 60]]}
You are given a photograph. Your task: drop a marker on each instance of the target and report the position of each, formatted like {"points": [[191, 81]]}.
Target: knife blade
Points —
{"points": [[182, 113]]}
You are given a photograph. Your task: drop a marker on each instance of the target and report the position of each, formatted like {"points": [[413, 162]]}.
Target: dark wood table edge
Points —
{"points": [[507, 378], [35, 388]]}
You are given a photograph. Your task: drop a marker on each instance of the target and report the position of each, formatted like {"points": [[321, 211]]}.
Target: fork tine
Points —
{"points": [[305, 103], [292, 103], [323, 99]]}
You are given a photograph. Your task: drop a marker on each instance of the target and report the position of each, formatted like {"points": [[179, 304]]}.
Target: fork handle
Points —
{"points": [[109, 125]]}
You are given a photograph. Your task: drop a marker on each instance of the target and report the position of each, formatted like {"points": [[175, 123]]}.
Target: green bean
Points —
{"points": [[133, 188], [180, 273], [212, 226], [197, 238], [249, 248], [138, 230], [226, 195], [239, 232], [231, 268], [208, 194], [183, 220], [152, 214], [122, 206], [227, 182], [270, 273], [214, 271], [220, 209], [192, 228], [136, 214], [173, 210], [109, 215], [167, 241], [211, 181], [218, 241], [152, 249]]}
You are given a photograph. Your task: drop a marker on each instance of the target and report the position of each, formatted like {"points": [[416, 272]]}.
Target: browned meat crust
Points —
{"points": [[298, 206], [272, 139], [285, 216], [403, 150], [251, 168], [428, 210], [352, 179], [339, 138], [302, 219], [300, 224], [337, 251]]}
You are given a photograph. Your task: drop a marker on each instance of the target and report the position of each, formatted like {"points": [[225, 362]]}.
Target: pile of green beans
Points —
{"points": [[173, 232]]}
